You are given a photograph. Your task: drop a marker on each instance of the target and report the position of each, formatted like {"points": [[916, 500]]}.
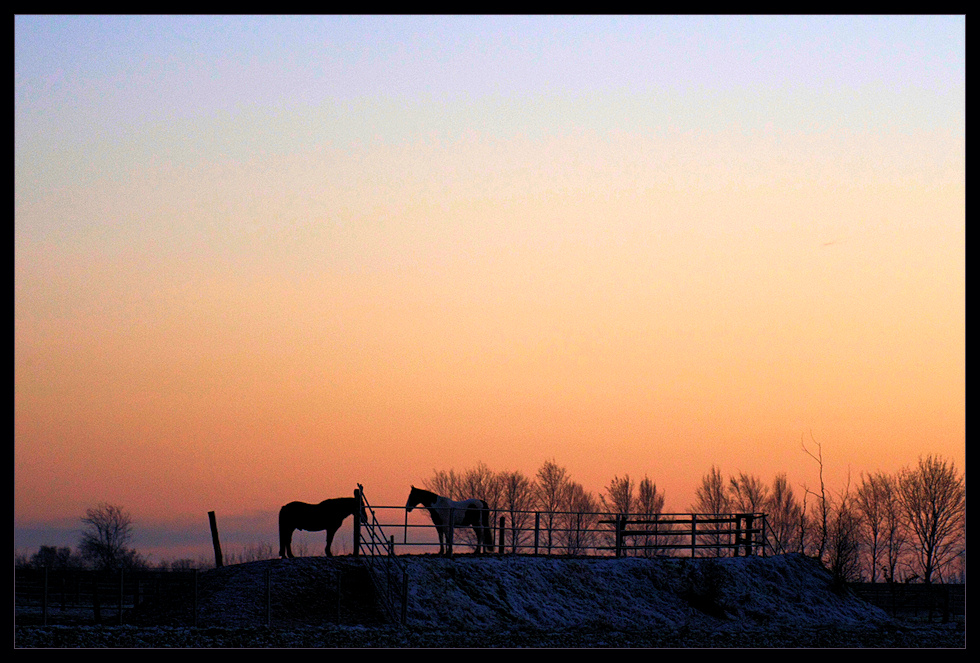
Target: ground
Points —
{"points": [[522, 601]]}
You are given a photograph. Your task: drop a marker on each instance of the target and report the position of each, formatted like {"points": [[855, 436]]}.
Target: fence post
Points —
{"points": [[694, 535], [513, 534], [503, 531], [537, 529], [195, 598], [404, 616], [268, 597], [96, 602], [452, 532], [44, 599], [121, 586], [214, 539], [357, 521], [747, 536]]}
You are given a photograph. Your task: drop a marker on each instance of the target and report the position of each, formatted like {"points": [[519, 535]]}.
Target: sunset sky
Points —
{"points": [[264, 259]]}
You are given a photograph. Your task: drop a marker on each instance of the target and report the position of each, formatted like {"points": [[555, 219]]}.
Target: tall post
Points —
{"points": [[694, 535], [214, 539], [537, 529], [503, 531], [357, 520]]}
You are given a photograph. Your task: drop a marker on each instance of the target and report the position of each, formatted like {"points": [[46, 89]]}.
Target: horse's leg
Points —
{"points": [[285, 542], [330, 533]]}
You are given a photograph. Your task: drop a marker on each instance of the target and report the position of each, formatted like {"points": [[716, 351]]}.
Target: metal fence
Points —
{"points": [[394, 531]]}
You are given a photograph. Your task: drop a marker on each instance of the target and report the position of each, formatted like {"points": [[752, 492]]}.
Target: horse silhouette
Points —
{"points": [[327, 515], [473, 513]]}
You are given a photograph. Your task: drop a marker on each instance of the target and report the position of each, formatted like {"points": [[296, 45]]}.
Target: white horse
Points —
{"points": [[473, 513]]}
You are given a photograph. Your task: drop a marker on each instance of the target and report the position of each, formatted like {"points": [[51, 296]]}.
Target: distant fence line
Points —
{"points": [[100, 597], [915, 601]]}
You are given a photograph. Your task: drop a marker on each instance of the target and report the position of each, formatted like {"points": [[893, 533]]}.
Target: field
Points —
{"points": [[784, 601]]}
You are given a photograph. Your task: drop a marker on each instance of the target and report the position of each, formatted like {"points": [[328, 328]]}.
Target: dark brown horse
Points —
{"points": [[327, 515]]}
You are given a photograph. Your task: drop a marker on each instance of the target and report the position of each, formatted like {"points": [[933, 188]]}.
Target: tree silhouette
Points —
{"points": [[517, 494], [747, 493], [933, 497], [844, 560], [620, 495], [578, 519], [106, 533], [553, 491], [712, 498], [54, 558], [875, 501], [820, 532], [783, 512], [650, 503]]}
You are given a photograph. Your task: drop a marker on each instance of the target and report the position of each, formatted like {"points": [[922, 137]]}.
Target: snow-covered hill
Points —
{"points": [[531, 601]]}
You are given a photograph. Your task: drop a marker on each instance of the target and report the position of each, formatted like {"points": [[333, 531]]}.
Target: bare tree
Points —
{"points": [[933, 498], [482, 483], [783, 515], [553, 489], [712, 498], [620, 495], [517, 501], [875, 500], [748, 493], [106, 533], [896, 532], [446, 483], [820, 532], [650, 504], [579, 517], [844, 560]]}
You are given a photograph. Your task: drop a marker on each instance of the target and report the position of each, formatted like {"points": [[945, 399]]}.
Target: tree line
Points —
{"points": [[904, 527]]}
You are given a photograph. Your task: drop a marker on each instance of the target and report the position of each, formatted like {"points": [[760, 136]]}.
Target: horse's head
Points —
{"points": [[413, 499], [364, 517]]}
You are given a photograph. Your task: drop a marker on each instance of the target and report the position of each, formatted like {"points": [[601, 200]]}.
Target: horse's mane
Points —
{"points": [[425, 494]]}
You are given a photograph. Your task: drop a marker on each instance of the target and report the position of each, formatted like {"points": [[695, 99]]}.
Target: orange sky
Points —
{"points": [[236, 325]]}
